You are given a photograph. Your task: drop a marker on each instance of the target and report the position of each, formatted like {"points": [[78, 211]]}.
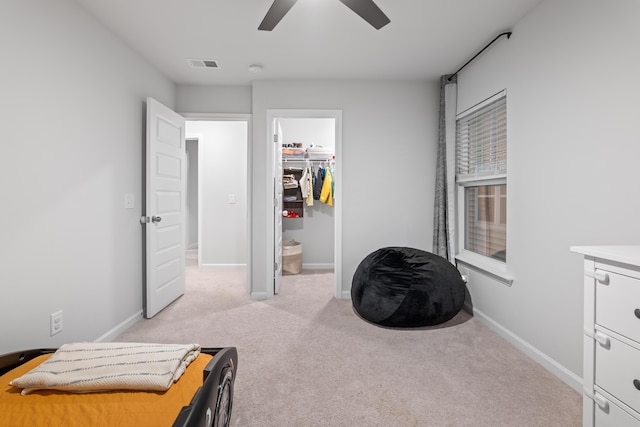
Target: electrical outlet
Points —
{"points": [[56, 323]]}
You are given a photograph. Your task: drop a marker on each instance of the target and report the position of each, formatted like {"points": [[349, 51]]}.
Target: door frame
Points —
{"points": [[278, 193], [230, 117], [337, 226]]}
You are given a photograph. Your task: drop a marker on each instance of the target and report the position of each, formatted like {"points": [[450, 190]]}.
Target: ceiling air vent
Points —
{"points": [[204, 63]]}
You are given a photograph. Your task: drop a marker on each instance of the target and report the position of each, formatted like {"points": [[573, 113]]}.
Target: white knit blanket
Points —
{"points": [[86, 367]]}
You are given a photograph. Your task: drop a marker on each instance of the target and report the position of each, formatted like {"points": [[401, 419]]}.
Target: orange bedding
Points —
{"points": [[122, 408]]}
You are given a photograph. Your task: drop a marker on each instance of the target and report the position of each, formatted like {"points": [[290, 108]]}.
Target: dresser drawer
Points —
{"points": [[611, 415], [618, 303], [618, 370]]}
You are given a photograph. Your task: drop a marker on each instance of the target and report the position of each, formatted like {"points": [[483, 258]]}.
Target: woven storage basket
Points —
{"points": [[291, 257]]}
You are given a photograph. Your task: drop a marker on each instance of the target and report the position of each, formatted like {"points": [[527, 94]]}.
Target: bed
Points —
{"points": [[203, 396]]}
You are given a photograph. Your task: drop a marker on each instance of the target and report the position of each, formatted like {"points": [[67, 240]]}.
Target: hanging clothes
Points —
{"points": [[306, 186], [333, 180], [326, 195], [317, 185], [309, 185]]}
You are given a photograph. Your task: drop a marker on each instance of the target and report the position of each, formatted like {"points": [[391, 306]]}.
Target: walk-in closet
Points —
{"points": [[308, 181]]}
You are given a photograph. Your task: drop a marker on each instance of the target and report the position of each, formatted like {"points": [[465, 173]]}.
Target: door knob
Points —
{"points": [[156, 219]]}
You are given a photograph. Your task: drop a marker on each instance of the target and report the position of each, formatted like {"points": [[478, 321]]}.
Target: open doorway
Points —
{"points": [[318, 227], [217, 193]]}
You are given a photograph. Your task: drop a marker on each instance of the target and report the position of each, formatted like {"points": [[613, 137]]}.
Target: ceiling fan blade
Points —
{"points": [[276, 12], [369, 11]]}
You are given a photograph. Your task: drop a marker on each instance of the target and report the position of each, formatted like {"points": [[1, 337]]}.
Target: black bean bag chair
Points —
{"points": [[406, 287]]}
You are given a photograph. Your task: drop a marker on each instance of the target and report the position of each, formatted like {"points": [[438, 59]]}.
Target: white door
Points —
{"points": [[165, 207], [277, 202]]}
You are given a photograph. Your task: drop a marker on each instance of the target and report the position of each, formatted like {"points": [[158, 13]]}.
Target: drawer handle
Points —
{"points": [[601, 402], [637, 312], [602, 277], [603, 340], [636, 384]]}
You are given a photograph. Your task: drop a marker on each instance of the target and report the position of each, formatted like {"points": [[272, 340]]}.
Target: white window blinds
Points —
{"points": [[481, 140]]}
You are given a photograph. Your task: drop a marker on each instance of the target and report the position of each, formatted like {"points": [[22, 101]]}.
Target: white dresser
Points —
{"points": [[611, 377]]}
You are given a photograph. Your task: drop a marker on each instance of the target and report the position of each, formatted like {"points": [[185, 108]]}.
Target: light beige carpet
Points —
{"points": [[305, 359]]}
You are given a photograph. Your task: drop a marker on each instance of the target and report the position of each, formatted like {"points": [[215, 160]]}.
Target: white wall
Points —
{"points": [[213, 99], [389, 149], [72, 109], [571, 74], [319, 132], [222, 153], [315, 230], [192, 193]]}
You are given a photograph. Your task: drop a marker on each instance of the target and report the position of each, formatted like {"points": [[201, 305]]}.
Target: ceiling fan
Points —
{"points": [[367, 9]]}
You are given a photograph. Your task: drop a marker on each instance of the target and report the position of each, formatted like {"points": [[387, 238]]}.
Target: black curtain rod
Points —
{"points": [[506, 33]]}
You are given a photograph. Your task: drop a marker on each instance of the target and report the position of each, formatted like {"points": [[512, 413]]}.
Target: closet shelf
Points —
{"points": [[297, 205]]}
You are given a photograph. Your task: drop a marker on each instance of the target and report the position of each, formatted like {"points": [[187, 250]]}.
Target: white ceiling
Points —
{"points": [[317, 39]]}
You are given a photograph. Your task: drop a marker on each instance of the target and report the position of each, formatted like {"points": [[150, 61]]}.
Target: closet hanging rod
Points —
{"points": [[506, 33]]}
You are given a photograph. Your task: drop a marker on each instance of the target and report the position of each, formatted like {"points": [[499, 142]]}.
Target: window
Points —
{"points": [[481, 176]]}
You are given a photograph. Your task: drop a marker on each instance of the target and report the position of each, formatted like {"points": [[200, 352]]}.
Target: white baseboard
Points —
{"points": [[571, 379], [345, 295], [222, 266], [119, 329], [317, 266], [258, 296], [467, 306]]}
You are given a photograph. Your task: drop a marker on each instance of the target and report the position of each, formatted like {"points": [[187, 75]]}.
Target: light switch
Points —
{"points": [[232, 198], [128, 201]]}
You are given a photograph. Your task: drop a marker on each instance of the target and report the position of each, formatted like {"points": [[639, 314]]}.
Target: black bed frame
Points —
{"points": [[211, 404]]}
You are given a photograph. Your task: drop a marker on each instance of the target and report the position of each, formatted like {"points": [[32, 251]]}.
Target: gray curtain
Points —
{"points": [[444, 235]]}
